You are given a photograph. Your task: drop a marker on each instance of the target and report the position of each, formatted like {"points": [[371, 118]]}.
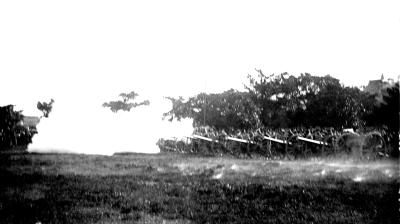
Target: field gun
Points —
{"points": [[370, 145], [278, 145]]}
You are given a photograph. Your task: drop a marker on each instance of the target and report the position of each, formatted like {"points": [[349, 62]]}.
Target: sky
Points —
{"points": [[83, 53]]}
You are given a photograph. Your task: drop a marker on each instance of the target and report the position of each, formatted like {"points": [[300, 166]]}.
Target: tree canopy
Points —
{"points": [[126, 104], [12, 132], [230, 109], [281, 101], [289, 101], [45, 107]]}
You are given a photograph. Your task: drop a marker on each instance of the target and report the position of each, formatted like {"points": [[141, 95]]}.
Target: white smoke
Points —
{"points": [[91, 129]]}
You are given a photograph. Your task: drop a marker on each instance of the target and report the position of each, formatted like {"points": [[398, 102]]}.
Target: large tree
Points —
{"points": [[306, 100], [230, 109], [338, 106]]}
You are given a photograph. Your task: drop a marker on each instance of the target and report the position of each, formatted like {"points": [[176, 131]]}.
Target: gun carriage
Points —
{"points": [[273, 145]]}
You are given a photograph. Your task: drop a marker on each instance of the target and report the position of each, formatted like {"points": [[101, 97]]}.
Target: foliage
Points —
{"points": [[386, 113], [45, 107], [12, 133], [281, 101], [180, 109], [308, 101], [337, 106], [125, 103], [230, 109], [286, 101]]}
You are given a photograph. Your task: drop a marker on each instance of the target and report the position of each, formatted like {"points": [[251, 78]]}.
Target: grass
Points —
{"points": [[170, 188]]}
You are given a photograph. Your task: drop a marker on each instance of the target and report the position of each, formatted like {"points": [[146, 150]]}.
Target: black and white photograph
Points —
{"points": [[187, 112]]}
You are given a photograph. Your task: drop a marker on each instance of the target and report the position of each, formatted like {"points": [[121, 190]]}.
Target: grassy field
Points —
{"points": [[170, 188]]}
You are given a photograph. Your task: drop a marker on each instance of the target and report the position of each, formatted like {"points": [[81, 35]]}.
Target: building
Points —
{"points": [[378, 87]]}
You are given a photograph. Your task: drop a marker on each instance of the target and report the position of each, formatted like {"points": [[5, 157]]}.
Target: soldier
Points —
{"points": [[222, 139], [258, 138], [309, 134], [213, 135], [246, 147]]}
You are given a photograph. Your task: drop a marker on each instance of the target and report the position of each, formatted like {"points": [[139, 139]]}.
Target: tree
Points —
{"points": [[12, 132], [338, 106], [180, 109], [230, 109], [386, 112], [45, 107], [125, 104], [289, 101]]}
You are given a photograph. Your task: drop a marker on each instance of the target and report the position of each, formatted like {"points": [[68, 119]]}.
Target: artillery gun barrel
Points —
{"points": [[312, 141], [204, 138], [240, 140], [277, 140]]}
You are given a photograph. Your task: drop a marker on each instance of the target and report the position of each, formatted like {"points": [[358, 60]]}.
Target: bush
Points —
{"points": [[13, 134]]}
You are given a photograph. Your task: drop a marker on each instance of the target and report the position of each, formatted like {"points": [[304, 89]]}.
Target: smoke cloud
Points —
{"points": [[93, 129]]}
